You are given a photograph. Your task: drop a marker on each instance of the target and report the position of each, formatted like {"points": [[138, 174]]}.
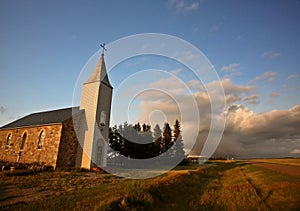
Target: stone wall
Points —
{"points": [[68, 145], [48, 152]]}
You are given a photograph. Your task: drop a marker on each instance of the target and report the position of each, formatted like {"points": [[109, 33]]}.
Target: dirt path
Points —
{"points": [[281, 168]]}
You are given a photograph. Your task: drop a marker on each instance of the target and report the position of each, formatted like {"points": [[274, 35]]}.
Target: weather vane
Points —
{"points": [[103, 47]]}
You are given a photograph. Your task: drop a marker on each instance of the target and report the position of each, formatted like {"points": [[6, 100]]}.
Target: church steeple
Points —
{"points": [[99, 73], [96, 105]]}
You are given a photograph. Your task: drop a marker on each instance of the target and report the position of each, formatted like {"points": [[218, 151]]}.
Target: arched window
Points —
{"points": [[8, 141], [23, 141], [41, 139], [103, 118]]}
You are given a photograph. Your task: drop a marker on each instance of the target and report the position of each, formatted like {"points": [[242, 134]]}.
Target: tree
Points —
{"points": [[177, 130], [132, 142], [157, 140], [178, 151], [167, 138], [157, 133], [137, 127], [116, 142], [146, 128]]}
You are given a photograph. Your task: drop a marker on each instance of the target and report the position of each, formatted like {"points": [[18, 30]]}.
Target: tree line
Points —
{"points": [[140, 142]]}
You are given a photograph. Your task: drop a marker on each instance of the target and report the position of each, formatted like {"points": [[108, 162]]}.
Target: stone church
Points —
{"points": [[69, 137]]}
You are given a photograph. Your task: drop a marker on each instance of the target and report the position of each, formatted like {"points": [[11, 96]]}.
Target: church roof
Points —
{"points": [[100, 73], [43, 118]]}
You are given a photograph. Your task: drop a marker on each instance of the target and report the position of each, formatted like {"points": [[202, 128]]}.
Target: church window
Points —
{"points": [[23, 141], [103, 118], [8, 141], [41, 139]]}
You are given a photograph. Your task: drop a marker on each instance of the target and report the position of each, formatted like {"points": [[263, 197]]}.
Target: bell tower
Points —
{"points": [[95, 105]]}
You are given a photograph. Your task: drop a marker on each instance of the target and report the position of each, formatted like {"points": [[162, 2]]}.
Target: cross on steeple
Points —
{"points": [[103, 48]]}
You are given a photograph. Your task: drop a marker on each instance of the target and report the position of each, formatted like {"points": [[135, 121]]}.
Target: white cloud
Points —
{"points": [[175, 72], [269, 76], [188, 56], [270, 54], [247, 134], [194, 84], [269, 134], [292, 76], [184, 5], [276, 124], [295, 151], [234, 89], [230, 67]]}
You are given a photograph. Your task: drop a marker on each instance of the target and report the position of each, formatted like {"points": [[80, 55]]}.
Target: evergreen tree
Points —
{"points": [[167, 138], [146, 128], [115, 142], [157, 133], [132, 141], [177, 130], [137, 127], [157, 140], [178, 151]]}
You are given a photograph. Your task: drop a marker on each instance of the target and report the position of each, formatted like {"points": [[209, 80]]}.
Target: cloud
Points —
{"points": [[188, 56], [273, 94], [270, 54], [175, 72], [184, 5], [232, 69], [247, 134], [230, 99], [234, 89], [292, 76], [295, 151], [252, 100], [2, 109], [269, 76], [193, 84]]}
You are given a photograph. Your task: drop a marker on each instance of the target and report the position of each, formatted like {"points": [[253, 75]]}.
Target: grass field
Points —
{"points": [[285, 161], [216, 186]]}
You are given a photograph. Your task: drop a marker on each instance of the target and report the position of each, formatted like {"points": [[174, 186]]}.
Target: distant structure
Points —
{"points": [[197, 158], [69, 137]]}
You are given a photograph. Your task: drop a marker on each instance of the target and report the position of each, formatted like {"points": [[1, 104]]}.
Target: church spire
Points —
{"points": [[94, 126], [103, 48], [100, 73]]}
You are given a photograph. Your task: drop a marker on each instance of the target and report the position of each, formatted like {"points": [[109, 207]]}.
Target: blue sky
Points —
{"points": [[45, 44]]}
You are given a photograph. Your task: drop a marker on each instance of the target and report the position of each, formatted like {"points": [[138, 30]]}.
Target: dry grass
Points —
{"points": [[232, 191], [218, 186], [285, 161], [46, 185], [278, 191]]}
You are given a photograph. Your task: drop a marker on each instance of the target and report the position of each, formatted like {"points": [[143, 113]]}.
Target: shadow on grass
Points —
{"points": [[176, 191]]}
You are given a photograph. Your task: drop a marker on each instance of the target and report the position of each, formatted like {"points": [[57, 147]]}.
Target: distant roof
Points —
{"points": [[43, 118]]}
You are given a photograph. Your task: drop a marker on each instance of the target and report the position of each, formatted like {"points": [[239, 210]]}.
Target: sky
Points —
{"points": [[252, 45]]}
